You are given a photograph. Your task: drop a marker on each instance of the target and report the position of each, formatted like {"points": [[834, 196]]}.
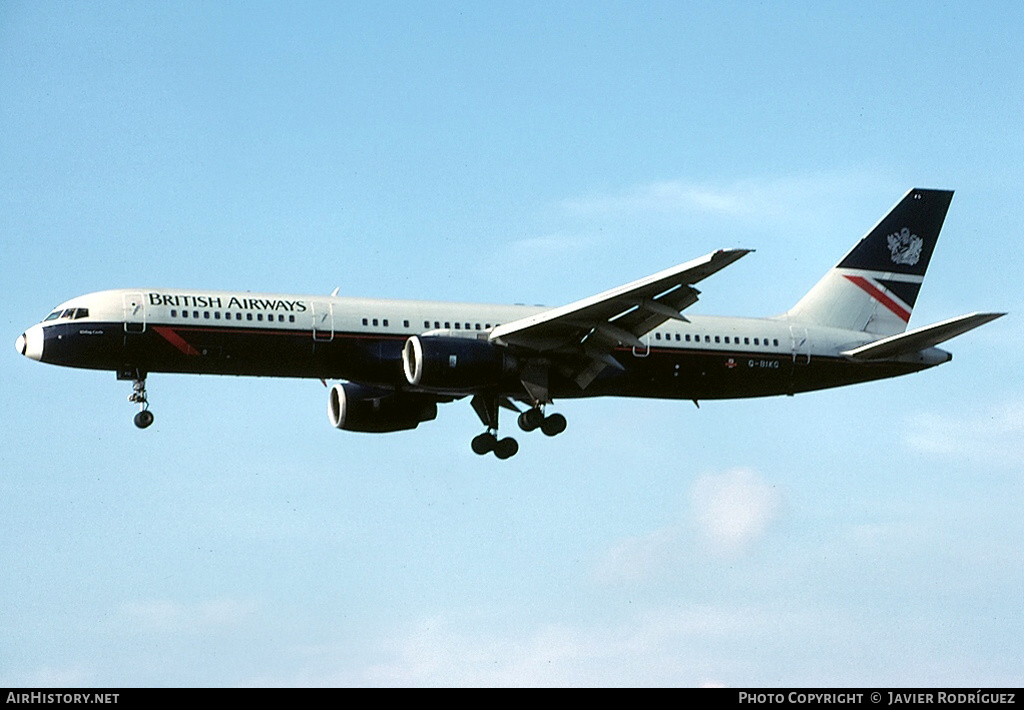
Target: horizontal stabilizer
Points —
{"points": [[920, 338]]}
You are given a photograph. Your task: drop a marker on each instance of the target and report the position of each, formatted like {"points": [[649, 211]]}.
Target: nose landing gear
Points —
{"points": [[138, 396]]}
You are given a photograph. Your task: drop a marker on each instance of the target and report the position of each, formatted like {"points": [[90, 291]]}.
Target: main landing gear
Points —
{"points": [[551, 425], [486, 407], [138, 396], [489, 441]]}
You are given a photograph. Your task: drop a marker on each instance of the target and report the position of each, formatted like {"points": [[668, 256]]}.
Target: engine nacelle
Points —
{"points": [[356, 408], [449, 364]]}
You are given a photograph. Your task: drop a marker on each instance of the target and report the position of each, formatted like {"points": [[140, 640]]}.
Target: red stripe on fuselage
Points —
{"points": [[176, 340], [880, 296]]}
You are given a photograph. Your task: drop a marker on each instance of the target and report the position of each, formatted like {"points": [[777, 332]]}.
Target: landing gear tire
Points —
{"points": [[484, 443], [531, 419], [506, 448], [487, 442], [143, 419], [553, 425]]}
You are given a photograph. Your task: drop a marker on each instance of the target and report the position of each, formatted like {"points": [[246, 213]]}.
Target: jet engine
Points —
{"points": [[450, 364], [357, 408]]}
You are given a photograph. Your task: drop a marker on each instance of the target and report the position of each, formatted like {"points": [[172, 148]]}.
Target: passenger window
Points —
{"points": [[291, 319], [405, 324], [238, 316], [174, 313], [259, 317], [216, 315], [447, 324], [456, 326], [776, 342], [195, 314], [746, 341], [184, 314], [375, 322], [248, 316], [437, 325]]}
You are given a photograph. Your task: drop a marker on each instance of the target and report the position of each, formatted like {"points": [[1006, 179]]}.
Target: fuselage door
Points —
{"points": [[323, 321], [134, 313], [646, 349], [801, 345]]}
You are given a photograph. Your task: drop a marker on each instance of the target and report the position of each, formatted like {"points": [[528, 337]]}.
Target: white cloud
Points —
{"points": [[679, 644], [994, 436], [541, 258], [52, 677], [734, 509], [780, 200], [643, 556], [730, 511], [161, 615]]}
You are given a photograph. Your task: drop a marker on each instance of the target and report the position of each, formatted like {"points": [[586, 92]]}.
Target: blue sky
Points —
{"points": [[538, 153]]}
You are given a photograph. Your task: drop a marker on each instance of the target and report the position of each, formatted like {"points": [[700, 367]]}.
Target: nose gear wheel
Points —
{"points": [[138, 396]]}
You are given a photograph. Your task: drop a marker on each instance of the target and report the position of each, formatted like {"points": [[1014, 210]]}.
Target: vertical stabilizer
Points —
{"points": [[875, 286]]}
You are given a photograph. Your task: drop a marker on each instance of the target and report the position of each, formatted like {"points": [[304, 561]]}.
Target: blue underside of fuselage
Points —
{"points": [[376, 359]]}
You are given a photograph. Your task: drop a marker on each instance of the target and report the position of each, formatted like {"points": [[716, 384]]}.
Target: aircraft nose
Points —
{"points": [[30, 343]]}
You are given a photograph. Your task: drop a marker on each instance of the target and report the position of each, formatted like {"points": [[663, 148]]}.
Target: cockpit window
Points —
{"points": [[81, 313], [68, 312], [53, 316]]}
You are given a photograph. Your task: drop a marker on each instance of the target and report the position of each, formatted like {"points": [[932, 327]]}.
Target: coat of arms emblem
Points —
{"points": [[905, 247]]}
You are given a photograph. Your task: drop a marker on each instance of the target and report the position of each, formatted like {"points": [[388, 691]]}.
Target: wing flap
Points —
{"points": [[914, 341]]}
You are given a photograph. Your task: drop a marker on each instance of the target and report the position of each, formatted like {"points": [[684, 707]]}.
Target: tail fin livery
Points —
{"points": [[874, 288]]}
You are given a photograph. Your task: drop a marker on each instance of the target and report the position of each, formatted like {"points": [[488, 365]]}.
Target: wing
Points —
{"points": [[594, 326]]}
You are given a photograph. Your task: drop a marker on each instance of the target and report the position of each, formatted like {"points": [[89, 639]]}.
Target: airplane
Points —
{"points": [[398, 360]]}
